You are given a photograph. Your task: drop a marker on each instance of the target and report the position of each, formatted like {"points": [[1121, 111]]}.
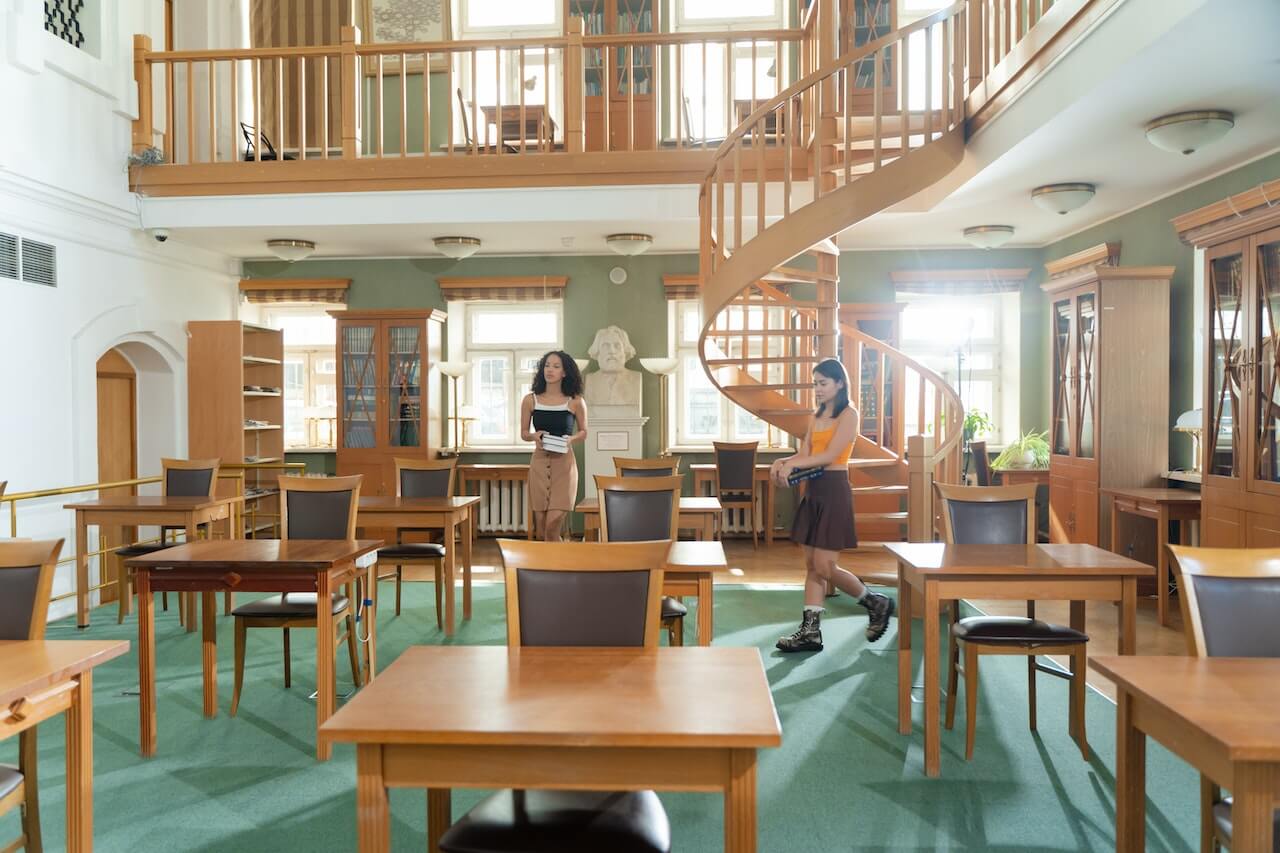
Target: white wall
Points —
{"points": [[63, 181]]}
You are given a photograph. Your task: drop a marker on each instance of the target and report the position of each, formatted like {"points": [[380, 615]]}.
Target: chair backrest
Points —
{"points": [[425, 478], [248, 131], [1230, 600], [981, 462], [639, 509], [26, 579], [319, 507], [462, 108], [583, 593], [663, 466], [735, 465], [189, 478], [988, 515]]}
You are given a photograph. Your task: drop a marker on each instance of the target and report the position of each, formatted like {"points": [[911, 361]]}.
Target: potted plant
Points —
{"points": [[976, 423], [1029, 450]]}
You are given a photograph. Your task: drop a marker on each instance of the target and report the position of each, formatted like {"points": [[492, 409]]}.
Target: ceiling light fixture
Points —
{"points": [[291, 250], [1062, 198], [1190, 131], [457, 247], [988, 236], [629, 244]]}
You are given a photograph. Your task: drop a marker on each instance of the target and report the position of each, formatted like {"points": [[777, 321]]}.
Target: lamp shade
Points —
{"points": [[291, 250], [468, 413], [660, 366], [457, 247], [1062, 198], [1187, 132], [456, 369], [1192, 421], [629, 244], [988, 236]]}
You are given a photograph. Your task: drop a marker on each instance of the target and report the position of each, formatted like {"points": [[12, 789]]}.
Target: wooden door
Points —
{"points": [[360, 403], [1262, 273], [117, 444], [1221, 525], [1062, 501], [1261, 530], [1084, 517]]}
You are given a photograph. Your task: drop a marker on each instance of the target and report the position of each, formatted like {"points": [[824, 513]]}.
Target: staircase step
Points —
{"points": [[870, 462], [795, 274], [823, 247], [880, 490], [798, 410], [771, 386], [880, 516], [769, 333], [773, 359]]}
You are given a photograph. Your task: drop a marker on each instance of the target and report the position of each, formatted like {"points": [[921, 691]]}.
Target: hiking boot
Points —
{"points": [[879, 608], [807, 638]]}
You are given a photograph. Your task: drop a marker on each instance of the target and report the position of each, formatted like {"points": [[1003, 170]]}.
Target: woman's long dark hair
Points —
{"points": [[570, 385], [834, 370]]}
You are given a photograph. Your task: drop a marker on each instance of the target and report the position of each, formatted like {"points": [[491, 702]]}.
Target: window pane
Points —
{"points": [[295, 430], [701, 402], [513, 327], [747, 425], [690, 323], [503, 14], [491, 380], [306, 329], [702, 9]]}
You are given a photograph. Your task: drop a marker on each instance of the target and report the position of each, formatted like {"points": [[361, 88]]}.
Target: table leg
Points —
{"points": [[932, 735], [904, 654], [373, 811], [706, 610], [209, 651], [325, 667], [1128, 640], [371, 622], [740, 803], [766, 504], [439, 816], [192, 533], [1131, 779], [1162, 566], [146, 663], [1078, 615], [123, 592], [1252, 822], [450, 576], [80, 766], [82, 571], [468, 533]]}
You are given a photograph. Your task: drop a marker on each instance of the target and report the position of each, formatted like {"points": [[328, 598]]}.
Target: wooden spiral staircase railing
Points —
{"points": [[769, 268]]}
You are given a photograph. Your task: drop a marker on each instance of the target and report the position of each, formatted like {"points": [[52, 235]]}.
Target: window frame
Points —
{"points": [[312, 354]]}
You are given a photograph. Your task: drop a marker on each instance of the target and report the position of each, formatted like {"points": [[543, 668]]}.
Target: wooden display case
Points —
{"points": [[389, 392], [608, 85], [235, 408], [1109, 328]]}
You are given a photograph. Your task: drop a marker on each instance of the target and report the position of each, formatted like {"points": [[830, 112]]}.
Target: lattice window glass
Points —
{"points": [[65, 18]]}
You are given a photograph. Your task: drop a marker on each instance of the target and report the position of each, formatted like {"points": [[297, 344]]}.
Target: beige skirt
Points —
{"points": [[553, 481]]}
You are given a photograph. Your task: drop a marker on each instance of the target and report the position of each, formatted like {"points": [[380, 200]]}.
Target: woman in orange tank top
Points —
{"points": [[824, 519]]}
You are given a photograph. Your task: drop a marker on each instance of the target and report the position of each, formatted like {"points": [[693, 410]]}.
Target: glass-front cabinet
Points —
{"points": [[1264, 363], [620, 78], [1225, 346], [1074, 318]]}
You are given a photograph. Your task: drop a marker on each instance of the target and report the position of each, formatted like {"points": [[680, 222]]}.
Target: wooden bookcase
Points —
{"points": [[608, 85], [224, 357]]}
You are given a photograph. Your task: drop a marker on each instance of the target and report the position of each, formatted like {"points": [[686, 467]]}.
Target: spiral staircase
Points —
{"points": [[824, 154]]}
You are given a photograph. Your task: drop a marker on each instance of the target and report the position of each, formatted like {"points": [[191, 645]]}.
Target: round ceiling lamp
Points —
{"points": [[629, 244], [1062, 198], [988, 236], [1187, 132], [457, 247], [291, 250]]}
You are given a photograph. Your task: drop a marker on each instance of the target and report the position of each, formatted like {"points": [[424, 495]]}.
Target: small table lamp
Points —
{"points": [[662, 367], [466, 414], [1192, 423], [455, 370]]}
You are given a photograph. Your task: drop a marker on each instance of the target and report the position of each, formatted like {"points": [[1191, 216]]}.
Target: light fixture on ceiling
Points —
{"points": [[291, 250], [457, 247], [1062, 198], [1190, 131], [988, 236], [629, 244]]}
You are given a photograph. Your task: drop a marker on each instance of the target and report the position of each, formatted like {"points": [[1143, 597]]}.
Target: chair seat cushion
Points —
{"points": [[1016, 631], [288, 604], [563, 822], [412, 550], [673, 609], [10, 779], [140, 550], [1222, 821]]}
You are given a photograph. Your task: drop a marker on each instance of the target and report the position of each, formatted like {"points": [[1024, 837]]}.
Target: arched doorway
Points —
{"points": [[117, 384]]}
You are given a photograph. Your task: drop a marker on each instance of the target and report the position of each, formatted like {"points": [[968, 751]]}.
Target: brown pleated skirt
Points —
{"points": [[824, 518], [553, 481]]}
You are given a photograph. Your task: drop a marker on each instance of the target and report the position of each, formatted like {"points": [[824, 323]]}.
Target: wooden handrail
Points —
{"points": [[695, 37]]}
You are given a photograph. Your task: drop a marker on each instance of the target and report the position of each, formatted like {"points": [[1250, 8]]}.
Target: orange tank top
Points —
{"points": [[819, 440]]}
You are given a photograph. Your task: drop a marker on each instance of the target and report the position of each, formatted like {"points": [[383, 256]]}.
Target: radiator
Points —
{"points": [[738, 520], [503, 506]]}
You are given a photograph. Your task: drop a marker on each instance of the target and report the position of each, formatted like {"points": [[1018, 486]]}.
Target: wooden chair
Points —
{"points": [[1230, 600], [420, 478], [26, 579], [247, 130], [310, 508], [573, 594], [663, 466], [736, 478], [981, 462], [1005, 515], [644, 509]]}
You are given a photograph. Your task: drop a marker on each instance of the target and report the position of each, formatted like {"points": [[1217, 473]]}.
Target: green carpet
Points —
{"points": [[844, 778]]}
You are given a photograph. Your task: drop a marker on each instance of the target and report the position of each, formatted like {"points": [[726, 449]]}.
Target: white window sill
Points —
{"points": [[310, 450], [707, 448], [496, 448]]}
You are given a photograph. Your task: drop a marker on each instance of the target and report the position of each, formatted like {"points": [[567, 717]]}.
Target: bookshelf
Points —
{"points": [[864, 21], [610, 88]]}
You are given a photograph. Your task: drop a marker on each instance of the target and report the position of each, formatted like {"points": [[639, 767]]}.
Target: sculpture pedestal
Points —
{"points": [[611, 434]]}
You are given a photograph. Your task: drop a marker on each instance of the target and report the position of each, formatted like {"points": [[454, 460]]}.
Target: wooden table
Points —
{"points": [[513, 471], [689, 571], [700, 514], [1021, 476], [444, 514], [1162, 506], [704, 482], [250, 565], [1218, 715], [1075, 573], [444, 717], [536, 126], [134, 510], [41, 678]]}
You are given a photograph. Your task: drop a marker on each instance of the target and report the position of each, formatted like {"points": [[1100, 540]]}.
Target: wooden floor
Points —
{"points": [[783, 564]]}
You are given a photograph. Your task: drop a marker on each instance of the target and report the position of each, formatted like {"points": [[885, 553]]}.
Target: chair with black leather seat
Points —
{"points": [[981, 462], [644, 509], [310, 508], [420, 478], [663, 466], [1230, 600], [26, 578], [736, 478], [1005, 515], [270, 153], [573, 594]]}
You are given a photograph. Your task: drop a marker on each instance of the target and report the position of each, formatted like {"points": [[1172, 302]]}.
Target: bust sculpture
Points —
{"points": [[614, 384]]}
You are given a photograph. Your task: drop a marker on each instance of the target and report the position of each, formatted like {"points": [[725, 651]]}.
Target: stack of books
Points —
{"points": [[555, 443]]}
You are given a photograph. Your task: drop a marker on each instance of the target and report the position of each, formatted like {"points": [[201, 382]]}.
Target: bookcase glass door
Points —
{"points": [[1266, 356], [592, 13], [634, 16], [1062, 377], [404, 379], [869, 20], [1227, 372], [359, 385], [1086, 372]]}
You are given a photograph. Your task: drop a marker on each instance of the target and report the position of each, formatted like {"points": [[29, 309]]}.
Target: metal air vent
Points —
{"points": [[8, 256], [39, 263]]}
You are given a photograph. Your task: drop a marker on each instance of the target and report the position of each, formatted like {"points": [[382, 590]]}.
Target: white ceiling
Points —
{"points": [[1083, 121]]}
